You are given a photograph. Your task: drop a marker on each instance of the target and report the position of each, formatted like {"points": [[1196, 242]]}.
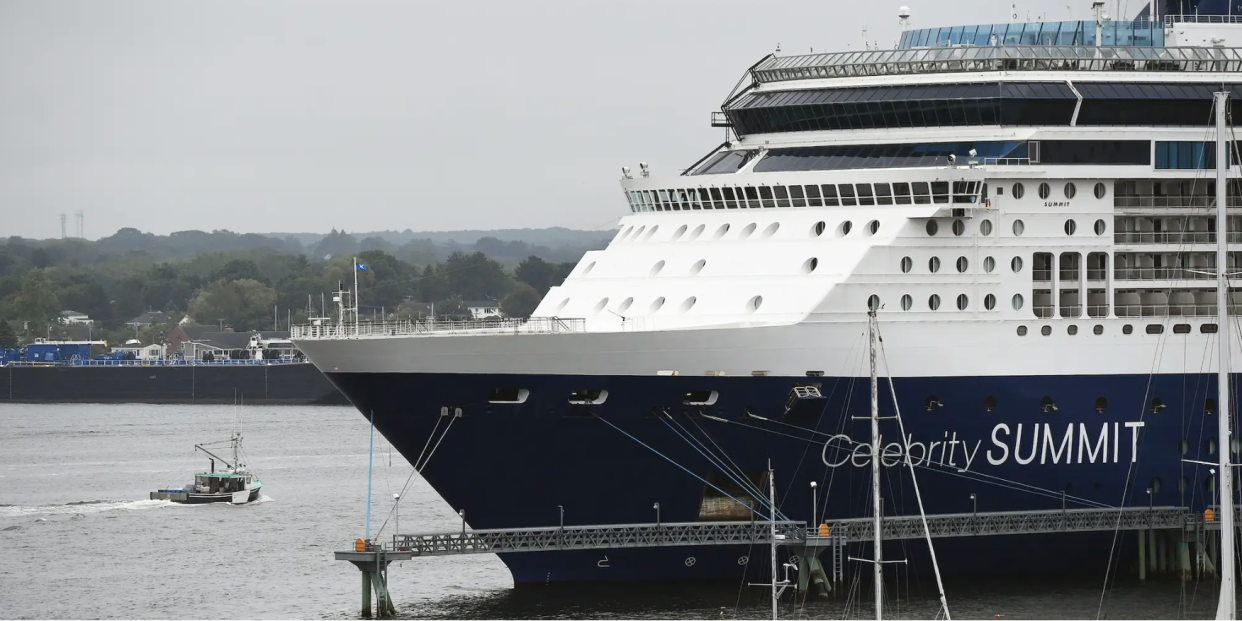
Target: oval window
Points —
{"points": [[810, 265], [989, 301], [985, 228], [907, 264], [933, 302], [845, 228], [697, 267], [655, 305], [688, 304], [1071, 227], [933, 265], [754, 304], [959, 227], [600, 306], [819, 228], [771, 230], [1100, 190], [1019, 190], [720, 232], [932, 228], [1070, 190], [1021, 330], [906, 302], [750, 228], [989, 265], [1018, 228], [698, 230], [681, 230], [625, 305], [1100, 227], [1016, 264], [874, 227], [962, 302], [1044, 190], [1017, 301], [962, 265], [655, 269], [873, 303]]}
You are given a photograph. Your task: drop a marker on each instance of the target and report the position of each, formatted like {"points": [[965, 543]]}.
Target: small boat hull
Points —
{"points": [[195, 498]]}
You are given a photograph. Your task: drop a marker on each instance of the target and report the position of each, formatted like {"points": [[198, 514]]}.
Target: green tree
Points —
{"points": [[37, 300], [535, 272], [521, 301], [474, 276], [244, 304], [7, 337], [239, 269], [452, 308]]}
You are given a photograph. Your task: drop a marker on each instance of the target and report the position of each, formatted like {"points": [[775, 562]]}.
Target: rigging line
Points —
{"points": [[727, 473], [419, 470], [737, 469], [892, 391], [669, 460], [734, 474]]}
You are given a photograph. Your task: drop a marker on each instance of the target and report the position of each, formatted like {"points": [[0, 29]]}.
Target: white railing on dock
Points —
{"points": [[373, 329]]}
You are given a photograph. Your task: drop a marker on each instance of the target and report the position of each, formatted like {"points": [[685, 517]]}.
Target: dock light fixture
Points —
{"points": [[814, 506], [974, 509], [462, 513], [396, 509], [656, 506]]}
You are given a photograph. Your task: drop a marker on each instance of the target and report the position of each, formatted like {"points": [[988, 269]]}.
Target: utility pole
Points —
{"points": [[62, 225]]}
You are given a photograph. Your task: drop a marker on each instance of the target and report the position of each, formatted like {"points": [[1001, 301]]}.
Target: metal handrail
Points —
{"points": [[1171, 237], [169, 362], [1132, 202], [372, 329]]}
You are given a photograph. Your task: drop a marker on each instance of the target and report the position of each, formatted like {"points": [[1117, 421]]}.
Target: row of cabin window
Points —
{"points": [[825, 195], [1152, 328]]}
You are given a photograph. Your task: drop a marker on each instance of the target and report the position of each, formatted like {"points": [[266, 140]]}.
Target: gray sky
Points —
{"points": [[303, 116]]}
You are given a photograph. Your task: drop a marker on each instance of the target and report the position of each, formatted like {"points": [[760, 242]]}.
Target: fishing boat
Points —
{"points": [[234, 484]]}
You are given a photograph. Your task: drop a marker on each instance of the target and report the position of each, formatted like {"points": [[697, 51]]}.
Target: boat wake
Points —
{"points": [[83, 507]]}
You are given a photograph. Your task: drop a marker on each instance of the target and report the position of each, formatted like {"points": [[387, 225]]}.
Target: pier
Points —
{"points": [[373, 558]]}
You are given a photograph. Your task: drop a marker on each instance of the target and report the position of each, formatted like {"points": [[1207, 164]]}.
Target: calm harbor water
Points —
{"points": [[80, 541]]}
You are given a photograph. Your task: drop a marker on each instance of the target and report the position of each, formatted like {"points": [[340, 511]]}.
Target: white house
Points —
{"points": [[74, 317], [481, 309]]}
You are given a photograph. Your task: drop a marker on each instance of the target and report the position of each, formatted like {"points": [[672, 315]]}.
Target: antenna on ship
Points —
{"points": [[903, 18]]}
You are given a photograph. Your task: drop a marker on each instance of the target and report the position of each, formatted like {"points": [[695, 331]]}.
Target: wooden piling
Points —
{"points": [[1152, 557], [1183, 560]]}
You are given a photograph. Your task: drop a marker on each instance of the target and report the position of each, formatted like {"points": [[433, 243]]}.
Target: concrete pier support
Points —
{"points": [[1183, 560], [366, 594], [1162, 549], [372, 563], [1142, 554], [1152, 557]]}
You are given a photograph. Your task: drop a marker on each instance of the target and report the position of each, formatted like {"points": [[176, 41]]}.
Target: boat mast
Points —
{"points": [[772, 507], [1225, 607], [876, 505]]}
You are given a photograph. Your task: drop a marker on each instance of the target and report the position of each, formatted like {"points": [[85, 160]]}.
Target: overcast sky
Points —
{"points": [[303, 116]]}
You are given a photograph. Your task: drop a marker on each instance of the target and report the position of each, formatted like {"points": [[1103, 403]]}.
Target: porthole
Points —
{"points": [[697, 267], [845, 228], [1072, 330], [959, 227], [1070, 227], [1155, 328], [1044, 190], [1098, 329], [1127, 329], [810, 265], [588, 268], [906, 302], [688, 304], [933, 264], [907, 264], [873, 227], [1017, 301], [1046, 330], [560, 307], [962, 302], [962, 265], [754, 303], [698, 230], [1018, 190], [750, 228], [720, 232], [989, 301], [638, 233], [771, 230], [819, 229], [651, 232], [873, 303], [625, 305], [933, 302], [1018, 228], [1016, 264], [655, 269], [1021, 330], [989, 265], [1101, 404], [1070, 190], [989, 404], [1100, 227], [656, 305], [932, 228], [985, 228], [626, 233], [600, 305], [1100, 190], [1183, 484], [681, 230]]}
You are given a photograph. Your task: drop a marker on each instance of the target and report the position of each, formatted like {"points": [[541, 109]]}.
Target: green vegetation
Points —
{"points": [[244, 280]]}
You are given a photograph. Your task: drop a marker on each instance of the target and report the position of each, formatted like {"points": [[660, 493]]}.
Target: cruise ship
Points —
{"points": [[1029, 208]]}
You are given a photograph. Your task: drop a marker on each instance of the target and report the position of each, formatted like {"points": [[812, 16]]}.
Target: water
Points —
{"points": [[79, 539]]}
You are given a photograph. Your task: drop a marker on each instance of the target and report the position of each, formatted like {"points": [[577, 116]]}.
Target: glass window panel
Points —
{"points": [[865, 195], [830, 195], [752, 197], [729, 197], [812, 196], [782, 195]]}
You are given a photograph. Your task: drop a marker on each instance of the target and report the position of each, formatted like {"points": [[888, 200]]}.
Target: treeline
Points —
{"points": [[238, 280]]}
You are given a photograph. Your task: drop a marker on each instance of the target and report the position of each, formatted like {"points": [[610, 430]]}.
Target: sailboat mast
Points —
{"points": [[772, 507], [1226, 607], [877, 506]]}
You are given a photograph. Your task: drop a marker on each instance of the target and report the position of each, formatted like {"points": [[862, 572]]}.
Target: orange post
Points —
{"points": [[823, 530]]}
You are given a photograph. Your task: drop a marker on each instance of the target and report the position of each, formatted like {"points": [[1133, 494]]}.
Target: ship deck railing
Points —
{"points": [[380, 329], [161, 362], [1074, 58], [792, 533]]}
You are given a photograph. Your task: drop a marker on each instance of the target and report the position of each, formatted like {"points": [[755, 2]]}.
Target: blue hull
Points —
{"points": [[1017, 443]]}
